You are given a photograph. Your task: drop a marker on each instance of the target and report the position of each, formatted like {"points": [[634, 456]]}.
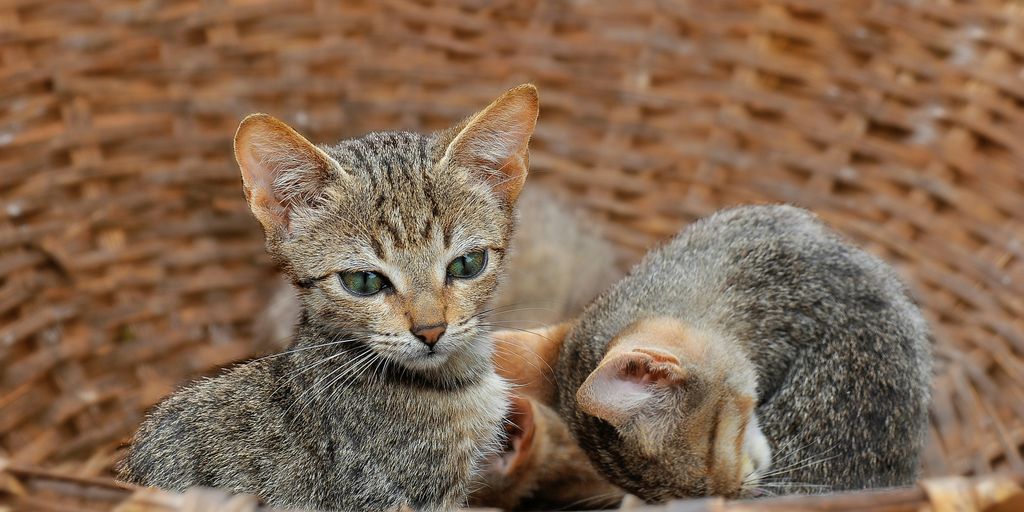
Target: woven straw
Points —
{"points": [[130, 264], [26, 489]]}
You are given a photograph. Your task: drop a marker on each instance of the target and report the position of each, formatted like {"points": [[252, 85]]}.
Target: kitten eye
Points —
{"points": [[468, 265], [363, 284]]}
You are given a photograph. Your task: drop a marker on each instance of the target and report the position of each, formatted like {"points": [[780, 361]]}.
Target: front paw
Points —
{"points": [[631, 502]]}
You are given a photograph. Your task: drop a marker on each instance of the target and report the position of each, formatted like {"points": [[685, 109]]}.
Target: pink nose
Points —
{"points": [[429, 334]]}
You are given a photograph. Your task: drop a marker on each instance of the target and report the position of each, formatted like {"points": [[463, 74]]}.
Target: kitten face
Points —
{"points": [[408, 234], [683, 409], [395, 240]]}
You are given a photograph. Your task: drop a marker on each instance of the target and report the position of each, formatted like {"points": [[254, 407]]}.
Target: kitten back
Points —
{"points": [[841, 354]]}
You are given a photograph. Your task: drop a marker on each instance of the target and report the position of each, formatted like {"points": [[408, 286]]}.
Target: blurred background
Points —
{"points": [[129, 262]]}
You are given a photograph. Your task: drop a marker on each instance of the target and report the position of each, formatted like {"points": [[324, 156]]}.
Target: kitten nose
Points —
{"points": [[429, 334]]}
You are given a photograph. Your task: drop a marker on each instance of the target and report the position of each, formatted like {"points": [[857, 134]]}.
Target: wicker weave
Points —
{"points": [[129, 262], [29, 489]]}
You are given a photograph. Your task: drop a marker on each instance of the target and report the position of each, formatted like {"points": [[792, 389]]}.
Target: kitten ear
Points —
{"points": [[281, 170], [494, 142], [520, 430], [629, 384]]}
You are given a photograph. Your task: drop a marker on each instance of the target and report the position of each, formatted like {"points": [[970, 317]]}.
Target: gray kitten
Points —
{"points": [[387, 397], [557, 263], [755, 330]]}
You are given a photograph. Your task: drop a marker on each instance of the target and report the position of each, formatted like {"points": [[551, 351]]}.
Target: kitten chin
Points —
{"points": [[472, 356], [391, 239]]}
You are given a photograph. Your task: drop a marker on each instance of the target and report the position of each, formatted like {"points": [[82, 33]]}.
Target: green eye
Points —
{"points": [[363, 283], [468, 265]]}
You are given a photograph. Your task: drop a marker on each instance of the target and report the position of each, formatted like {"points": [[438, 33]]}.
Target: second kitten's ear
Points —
{"points": [[281, 171], [520, 430], [495, 141], [629, 384]]}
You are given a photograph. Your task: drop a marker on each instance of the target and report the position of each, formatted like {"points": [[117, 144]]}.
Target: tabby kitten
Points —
{"points": [[387, 397], [756, 326], [756, 334], [541, 467], [551, 234]]}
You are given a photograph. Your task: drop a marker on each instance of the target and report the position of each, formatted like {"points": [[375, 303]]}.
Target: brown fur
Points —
{"points": [[360, 413], [557, 263], [652, 352], [542, 467], [755, 328]]}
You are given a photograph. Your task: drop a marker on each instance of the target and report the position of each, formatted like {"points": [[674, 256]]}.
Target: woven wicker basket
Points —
{"points": [[129, 263], [35, 489]]}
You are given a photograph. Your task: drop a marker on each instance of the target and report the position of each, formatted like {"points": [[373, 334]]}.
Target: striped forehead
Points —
{"points": [[402, 191], [388, 159]]}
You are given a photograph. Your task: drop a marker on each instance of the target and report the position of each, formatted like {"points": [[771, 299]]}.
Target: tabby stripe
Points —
{"points": [[364, 164], [447, 235], [396, 236], [424, 164], [428, 226]]}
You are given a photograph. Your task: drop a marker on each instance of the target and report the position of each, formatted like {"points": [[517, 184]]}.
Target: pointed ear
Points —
{"points": [[281, 171], [494, 143], [520, 430], [629, 384]]}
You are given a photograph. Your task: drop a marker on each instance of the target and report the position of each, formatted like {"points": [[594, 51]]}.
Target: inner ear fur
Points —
{"points": [[494, 143], [524, 428], [634, 383], [281, 171]]}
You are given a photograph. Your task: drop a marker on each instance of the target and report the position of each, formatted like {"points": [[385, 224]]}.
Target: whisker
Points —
{"points": [[545, 374], [794, 484], [797, 461], [304, 370], [342, 368], [597, 499], [355, 374], [521, 330], [499, 323], [780, 455], [506, 308], [309, 347], [799, 466]]}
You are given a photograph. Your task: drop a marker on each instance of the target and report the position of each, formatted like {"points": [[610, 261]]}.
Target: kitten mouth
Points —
{"points": [[425, 361], [409, 356]]}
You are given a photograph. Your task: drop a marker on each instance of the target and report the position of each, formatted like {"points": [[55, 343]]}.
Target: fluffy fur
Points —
{"points": [[557, 263], [542, 467], [359, 414], [755, 320]]}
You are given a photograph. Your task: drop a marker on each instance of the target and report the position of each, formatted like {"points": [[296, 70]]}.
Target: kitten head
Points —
{"points": [[541, 467], [683, 408], [396, 241]]}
